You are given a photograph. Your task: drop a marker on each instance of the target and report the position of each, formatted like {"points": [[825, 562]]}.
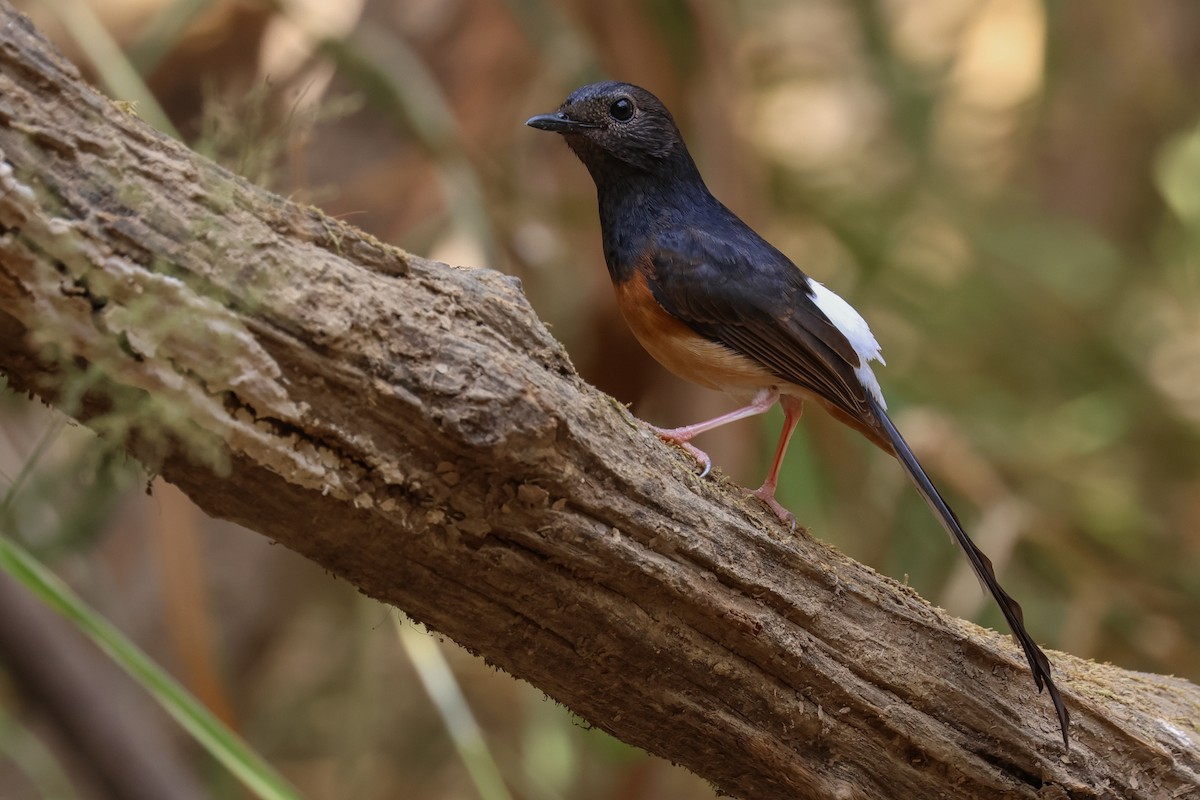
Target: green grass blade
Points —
{"points": [[222, 743], [119, 77], [443, 689]]}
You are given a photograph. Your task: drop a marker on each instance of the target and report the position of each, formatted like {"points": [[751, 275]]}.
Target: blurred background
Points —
{"points": [[1008, 190]]}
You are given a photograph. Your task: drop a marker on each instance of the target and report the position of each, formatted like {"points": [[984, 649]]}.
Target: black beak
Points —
{"points": [[558, 122]]}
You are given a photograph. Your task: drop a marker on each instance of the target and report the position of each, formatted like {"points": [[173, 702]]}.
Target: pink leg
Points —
{"points": [[793, 407], [761, 403]]}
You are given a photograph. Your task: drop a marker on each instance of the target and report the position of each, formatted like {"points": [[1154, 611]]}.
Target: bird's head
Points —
{"points": [[610, 124]]}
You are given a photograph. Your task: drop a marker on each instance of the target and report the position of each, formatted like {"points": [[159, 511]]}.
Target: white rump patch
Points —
{"points": [[857, 332]]}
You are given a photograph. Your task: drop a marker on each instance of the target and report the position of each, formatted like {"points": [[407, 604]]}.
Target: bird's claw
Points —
{"points": [[701, 458], [671, 437], [766, 495]]}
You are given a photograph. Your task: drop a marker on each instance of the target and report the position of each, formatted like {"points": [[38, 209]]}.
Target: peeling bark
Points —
{"points": [[414, 428]]}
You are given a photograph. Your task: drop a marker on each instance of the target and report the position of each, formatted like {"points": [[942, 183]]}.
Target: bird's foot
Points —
{"points": [[680, 437], [766, 495]]}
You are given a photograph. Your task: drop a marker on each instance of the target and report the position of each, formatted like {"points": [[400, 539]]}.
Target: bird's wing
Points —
{"points": [[746, 295]]}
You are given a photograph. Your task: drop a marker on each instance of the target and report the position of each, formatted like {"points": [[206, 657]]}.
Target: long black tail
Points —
{"points": [[1038, 663]]}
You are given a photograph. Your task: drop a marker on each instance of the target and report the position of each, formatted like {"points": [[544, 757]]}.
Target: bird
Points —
{"points": [[716, 304]]}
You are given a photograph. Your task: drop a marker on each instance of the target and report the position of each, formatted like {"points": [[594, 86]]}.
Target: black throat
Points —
{"points": [[636, 202]]}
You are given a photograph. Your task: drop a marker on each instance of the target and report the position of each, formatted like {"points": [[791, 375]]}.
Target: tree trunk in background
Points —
{"points": [[413, 428]]}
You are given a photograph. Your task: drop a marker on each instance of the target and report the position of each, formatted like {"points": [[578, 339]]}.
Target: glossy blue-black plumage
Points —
{"points": [[709, 271], [704, 265]]}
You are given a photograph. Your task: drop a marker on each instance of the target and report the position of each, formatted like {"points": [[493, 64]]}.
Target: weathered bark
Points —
{"points": [[414, 428]]}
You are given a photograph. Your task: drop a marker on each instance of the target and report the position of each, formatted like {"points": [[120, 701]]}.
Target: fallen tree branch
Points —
{"points": [[413, 428]]}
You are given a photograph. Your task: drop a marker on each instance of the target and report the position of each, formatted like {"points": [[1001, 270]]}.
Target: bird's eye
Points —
{"points": [[621, 110]]}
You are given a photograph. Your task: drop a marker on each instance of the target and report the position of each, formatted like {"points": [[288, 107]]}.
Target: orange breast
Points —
{"points": [[680, 349]]}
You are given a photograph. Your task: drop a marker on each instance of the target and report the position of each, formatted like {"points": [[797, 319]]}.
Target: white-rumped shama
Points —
{"points": [[716, 304]]}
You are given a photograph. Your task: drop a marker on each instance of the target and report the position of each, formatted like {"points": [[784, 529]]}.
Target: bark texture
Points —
{"points": [[413, 428]]}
